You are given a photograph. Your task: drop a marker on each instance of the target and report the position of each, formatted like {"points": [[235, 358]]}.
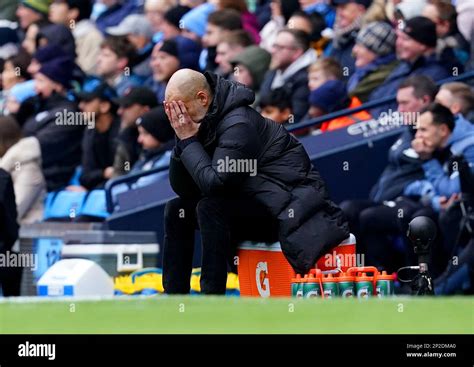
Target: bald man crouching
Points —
{"points": [[238, 177]]}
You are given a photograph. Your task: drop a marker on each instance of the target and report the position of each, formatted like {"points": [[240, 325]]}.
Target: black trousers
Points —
{"points": [[223, 223], [375, 225], [10, 280]]}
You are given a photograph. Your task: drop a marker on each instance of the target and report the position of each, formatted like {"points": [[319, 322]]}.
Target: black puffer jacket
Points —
{"points": [[286, 184], [60, 141]]}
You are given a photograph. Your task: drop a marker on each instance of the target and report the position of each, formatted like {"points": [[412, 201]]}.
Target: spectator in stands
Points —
{"points": [[155, 135], [169, 56], [414, 94], [331, 97], [99, 142], [51, 52], [58, 35], [250, 67], [45, 54], [375, 59], [113, 63], [459, 98], [32, 11], [249, 20], [75, 14], [171, 24], [10, 276], [29, 42], [8, 40], [219, 24], [276, 106], [313, 24], [14, 72], [16, 96], [452, 48], [291, 56], [415, 47], [349, 14], [154, 11], [281, 12], [194, 21], [116, 11], [322, 7], [133, 105], [323, 70], [55, 124], [465, 19], [21, 158], [230, 46], [139, 32], [214, 123]]}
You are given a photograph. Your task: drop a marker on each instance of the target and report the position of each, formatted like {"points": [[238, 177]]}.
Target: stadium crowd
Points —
{"points": [[83, 83]]}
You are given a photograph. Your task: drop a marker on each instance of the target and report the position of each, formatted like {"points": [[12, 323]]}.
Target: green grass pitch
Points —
{"points": [[198, 314]]}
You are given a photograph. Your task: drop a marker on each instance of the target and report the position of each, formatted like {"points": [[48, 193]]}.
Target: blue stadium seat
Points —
{"points": [[95, 204], [65, 204]]}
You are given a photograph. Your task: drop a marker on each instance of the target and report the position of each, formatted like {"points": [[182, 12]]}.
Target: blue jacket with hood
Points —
{"points": [[439, 179]]}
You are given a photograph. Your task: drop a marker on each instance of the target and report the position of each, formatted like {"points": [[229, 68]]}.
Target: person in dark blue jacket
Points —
{"points": [[415, 48]]}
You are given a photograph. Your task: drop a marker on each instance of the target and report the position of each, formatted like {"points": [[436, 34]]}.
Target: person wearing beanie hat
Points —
{"points": [[171, 25], [59, 35], [156, 124], [375, 59], [14, 72], [54, 121], [331, 97], [169, 56], [43, 55], [59, 71], [422, 30], [31, 11], [252, 64], [155, 135], [415, 48]]}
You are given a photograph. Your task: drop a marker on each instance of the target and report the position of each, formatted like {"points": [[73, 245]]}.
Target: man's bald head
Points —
{"points": [[185, 84], [192, 88]]}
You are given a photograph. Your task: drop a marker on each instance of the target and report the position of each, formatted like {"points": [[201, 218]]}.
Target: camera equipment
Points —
{"points": [[422, 233]]}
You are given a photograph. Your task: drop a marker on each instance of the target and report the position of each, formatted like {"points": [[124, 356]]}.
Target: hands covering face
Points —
{"points": [[181, 122]]}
